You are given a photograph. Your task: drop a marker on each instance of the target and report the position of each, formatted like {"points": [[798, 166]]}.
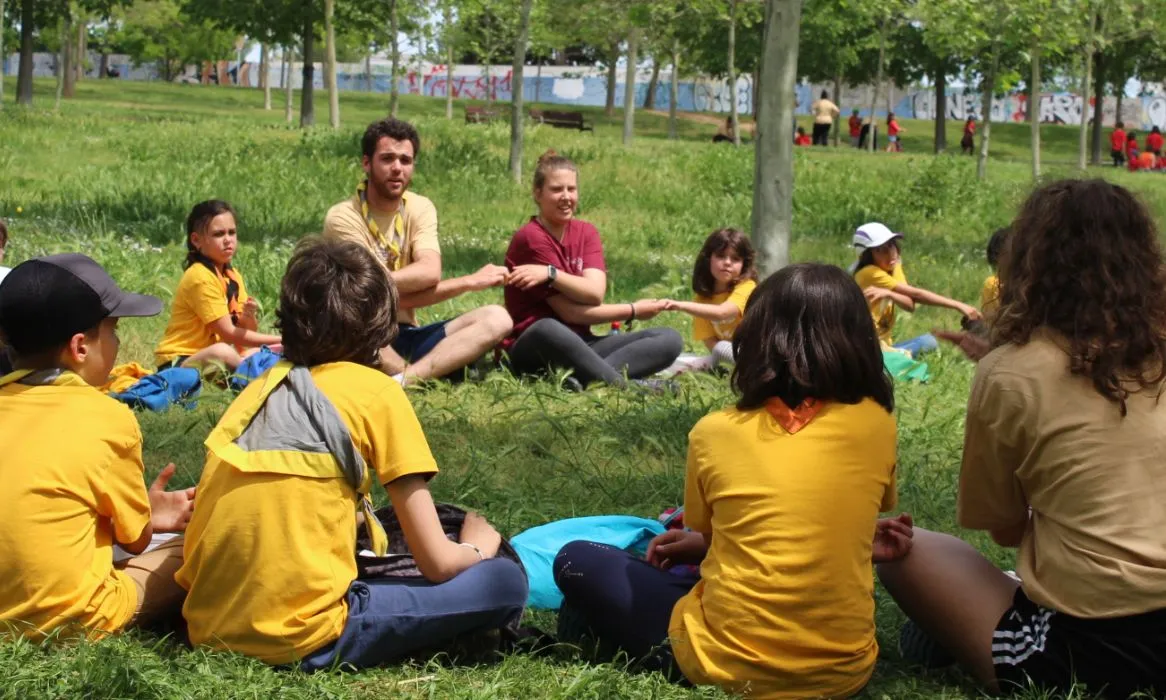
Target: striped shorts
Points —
{"points": [[1115, 657]]}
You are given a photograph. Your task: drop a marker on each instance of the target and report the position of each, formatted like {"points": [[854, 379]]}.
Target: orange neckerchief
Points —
{"points": [[793, 419]]}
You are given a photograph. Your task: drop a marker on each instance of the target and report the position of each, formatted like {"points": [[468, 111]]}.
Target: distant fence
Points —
{"points": [[588, 87]]}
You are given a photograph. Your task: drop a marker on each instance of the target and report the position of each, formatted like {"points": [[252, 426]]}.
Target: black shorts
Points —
{"points": [[1115, 657]]}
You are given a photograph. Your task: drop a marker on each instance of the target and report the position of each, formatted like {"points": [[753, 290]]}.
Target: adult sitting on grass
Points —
{"points": [[400, 228], [879, 273], [212, 320], [65, 500], [1062, 458], [782, 494], [555, 291], [271, 550]]}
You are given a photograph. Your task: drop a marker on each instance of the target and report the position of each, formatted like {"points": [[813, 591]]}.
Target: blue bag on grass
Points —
{"points": [[159, 391], [253, 367], [538, 546]]}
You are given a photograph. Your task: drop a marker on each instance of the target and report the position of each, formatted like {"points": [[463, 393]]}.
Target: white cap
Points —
{"points": [[873, 235]]}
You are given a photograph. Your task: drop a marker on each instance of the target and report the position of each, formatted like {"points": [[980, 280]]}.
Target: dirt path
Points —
{"points": [[746, 127]]}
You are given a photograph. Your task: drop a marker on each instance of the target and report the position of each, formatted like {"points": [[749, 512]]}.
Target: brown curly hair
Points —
{"points": [[703, 282], [1083, 260], [336, 304]]}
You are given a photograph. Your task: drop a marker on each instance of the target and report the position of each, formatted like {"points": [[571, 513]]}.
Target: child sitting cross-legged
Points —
{"points": [[64, 503], [271, 551], [782, 493]]}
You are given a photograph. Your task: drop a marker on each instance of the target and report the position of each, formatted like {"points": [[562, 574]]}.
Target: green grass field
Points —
{"points": [[114, 174]]}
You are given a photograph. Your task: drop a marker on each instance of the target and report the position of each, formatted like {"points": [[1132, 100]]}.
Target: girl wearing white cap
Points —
{"points": [[879, 273]]}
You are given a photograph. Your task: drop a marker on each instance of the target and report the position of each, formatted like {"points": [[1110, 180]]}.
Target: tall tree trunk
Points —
{"points": [[653, 83], [538, 81], [3, 56], [988, 89], [67, 71], [1098, 104], [330, 65], [265, 74], [629, 91], [612, 59], [368, 73], [448, 24], [874, 98], [102, 67], [516, 91], [1034, 109], [307, 90], [82, 48], [940, 106], [756, 91], [733, 116], [24, 72], [395, 47], [674, 90], [1086, 84], [287, 83], [773, 169], [837, 100]]}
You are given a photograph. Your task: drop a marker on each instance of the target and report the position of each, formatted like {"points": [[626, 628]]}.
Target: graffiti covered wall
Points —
{"points": [[588, 87]]}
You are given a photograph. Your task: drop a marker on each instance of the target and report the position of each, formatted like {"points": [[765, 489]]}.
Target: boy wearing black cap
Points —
{"points": [[71, 469]]}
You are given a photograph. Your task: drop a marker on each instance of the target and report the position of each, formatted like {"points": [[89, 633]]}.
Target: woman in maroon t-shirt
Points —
{"points": [[555, 289]]}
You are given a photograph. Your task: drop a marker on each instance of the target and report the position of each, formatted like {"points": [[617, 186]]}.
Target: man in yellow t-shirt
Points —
{"points": [[65, 503], [271, 550], [400, 228]]}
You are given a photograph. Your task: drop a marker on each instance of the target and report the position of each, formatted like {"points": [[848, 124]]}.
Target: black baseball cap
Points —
{"points": [[45, 301]]}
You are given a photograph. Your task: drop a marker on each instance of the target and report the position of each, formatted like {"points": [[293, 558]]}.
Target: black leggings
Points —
{"points": [[822, 134], [621, 601], [549, 343]]}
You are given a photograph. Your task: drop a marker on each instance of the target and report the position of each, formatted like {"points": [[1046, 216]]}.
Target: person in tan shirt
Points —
{"points": [[400, 228], [825, 112], [1063, 459]]}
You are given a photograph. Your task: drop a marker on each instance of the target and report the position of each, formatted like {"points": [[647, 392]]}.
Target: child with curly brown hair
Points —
{"points": [[1063, 460]]}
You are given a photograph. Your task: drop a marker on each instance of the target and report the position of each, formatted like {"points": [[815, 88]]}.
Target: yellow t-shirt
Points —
{"points": [[63, 503], [201, 299], [703, 329], [883, 310], [1040, 437], [270, 555], [784, 607], [990, 296], [345, 221]]}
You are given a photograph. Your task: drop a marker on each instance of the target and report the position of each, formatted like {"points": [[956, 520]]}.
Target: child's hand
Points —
{"points": [[676, 547], [974, 346], [648, 308], [670, 304], [478, 531], [873, 294], [251, 308], [892, 538], [170, 511], [972, 313]]}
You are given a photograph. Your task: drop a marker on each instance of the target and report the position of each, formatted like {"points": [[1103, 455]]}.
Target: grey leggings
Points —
{"points": [[549, 343]]}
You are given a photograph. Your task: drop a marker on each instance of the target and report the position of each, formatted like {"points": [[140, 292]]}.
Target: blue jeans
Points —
{"points": [[415, 342], [918, 346], [389, 619]]}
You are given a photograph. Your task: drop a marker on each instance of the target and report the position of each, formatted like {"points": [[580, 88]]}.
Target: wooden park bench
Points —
{"points": [[560, 120], [482, 115]]}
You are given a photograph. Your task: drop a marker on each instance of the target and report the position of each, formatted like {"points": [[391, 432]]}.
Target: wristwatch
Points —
{"points": [[552, 273]]}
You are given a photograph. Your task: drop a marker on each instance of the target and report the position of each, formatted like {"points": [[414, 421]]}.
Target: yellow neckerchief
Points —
{"points": [[62, 377], [793, 419], [221, 443], [391, 246]]}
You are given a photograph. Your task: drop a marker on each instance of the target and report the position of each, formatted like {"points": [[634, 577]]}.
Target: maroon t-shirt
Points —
{"points": [[532, 244]]}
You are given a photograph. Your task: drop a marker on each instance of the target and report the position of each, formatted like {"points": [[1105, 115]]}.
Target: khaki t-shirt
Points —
{"points": [[824, 111], [419, 217], [1040, 437]]}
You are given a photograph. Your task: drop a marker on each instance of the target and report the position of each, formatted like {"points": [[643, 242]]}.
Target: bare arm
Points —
{"points": [[725, 311], [438, 559], [587, 288], [587, 315], [420, 275], [488, 276], [924, 296], [238, 335]]}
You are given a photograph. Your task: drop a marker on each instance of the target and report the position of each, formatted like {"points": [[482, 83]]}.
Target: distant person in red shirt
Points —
{"points": [[1132, 146], [555, 291], [1154, 142], [1117, 143], [968, 142], [855, 124], [893, 130], [802, 139]]}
